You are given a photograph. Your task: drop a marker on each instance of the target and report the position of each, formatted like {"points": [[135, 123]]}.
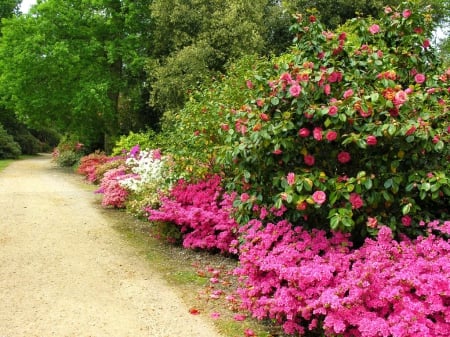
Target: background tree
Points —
{"points": [[75, 65]]}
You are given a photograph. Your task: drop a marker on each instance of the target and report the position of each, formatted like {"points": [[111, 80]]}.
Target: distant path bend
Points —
{"points": [[65, 272]]}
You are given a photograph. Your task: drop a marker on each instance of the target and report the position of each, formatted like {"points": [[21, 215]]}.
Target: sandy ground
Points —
{"points": [[64, 271]]}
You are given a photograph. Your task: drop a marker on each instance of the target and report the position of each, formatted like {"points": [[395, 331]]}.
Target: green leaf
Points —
{"points": [[275, 101], [388, 183], [368, 184], [406, 209]]}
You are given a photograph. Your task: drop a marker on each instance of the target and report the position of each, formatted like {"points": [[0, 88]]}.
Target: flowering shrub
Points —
{"points": [[113, 193], [149, 181], [202, 211], [311, 282], [68, 152], [89, 164], [349, 131]]}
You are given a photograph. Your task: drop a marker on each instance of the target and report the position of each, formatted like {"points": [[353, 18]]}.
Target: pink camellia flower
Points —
{"points": [[249, 84], [327, 89], [372, 222], [290, 178], [225, 127], [348, 93], [317, 134], [374, 29], [387, 10], [264, 117], [419, 78], [356, 200], [295, 89], [406, 13], [286, 77], [409, 90], [400, 98], [304, 132], [333, 110], [319, 197], [245, 197], [331, 135], [277, 152], [309, 159], [371, 140], [344, 157], [406, 221]]}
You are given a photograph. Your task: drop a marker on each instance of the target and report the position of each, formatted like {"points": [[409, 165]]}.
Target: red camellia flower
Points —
{"points": [[333, 110], [374, 29], [249, 84], [371, 140], [356, 200], [317, 134], [264, 117], [344, 157], [331, 135], [406, 13], [426, 43], [319, 197], [309, 159], [304, 132], [419, 78], [406, 221], [348, 93]]}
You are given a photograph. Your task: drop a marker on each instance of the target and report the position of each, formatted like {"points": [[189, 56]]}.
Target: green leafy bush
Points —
{"points": [[9, 149], [346, 134], [68, 152], [146, 140]]}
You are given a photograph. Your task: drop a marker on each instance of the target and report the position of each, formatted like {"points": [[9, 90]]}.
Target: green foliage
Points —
{"points": [[360, 122], [190, 135], [9, 149], [145, 140], [68, 152], [195, 40]]}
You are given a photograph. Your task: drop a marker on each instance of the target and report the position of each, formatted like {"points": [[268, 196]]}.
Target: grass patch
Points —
{"points": [[4, 163]]}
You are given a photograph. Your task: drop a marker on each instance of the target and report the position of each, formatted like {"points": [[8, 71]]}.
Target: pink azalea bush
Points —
{"points": [[311, 281], [202, 210], [114, 194]]}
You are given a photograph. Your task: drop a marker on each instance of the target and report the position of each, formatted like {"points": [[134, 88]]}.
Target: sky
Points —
{"points": [[26, 4]]}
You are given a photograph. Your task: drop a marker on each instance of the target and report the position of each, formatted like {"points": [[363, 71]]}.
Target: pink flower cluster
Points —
{"points": [[384, 288], [88, 165], [202, 211], [113, 193]]}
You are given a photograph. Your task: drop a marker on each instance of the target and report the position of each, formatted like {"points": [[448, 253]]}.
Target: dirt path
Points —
{"points": [[65, 272]]}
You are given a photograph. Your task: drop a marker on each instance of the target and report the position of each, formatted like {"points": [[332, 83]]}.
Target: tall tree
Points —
{"points": [[68, 63]]}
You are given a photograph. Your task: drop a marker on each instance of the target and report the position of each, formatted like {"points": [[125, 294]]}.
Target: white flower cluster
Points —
{"points": [[147, 166]]}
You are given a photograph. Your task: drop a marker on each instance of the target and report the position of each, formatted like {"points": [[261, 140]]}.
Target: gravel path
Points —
{"points": [[65, 272]]}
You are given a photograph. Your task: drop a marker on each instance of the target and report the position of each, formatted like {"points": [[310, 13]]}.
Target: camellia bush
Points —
{"points": [[348, 131]]}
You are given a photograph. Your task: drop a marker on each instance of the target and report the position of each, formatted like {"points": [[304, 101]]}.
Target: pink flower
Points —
{"points": [[319, 197], [374, 29], [331, 135], [277, 151], [344, 157], [372, 222], [356, 200], [371, 140], [406, 221], [286, 77], [215, 315], [317, 134], [327, 89], [295, 89], [426, 43], [410, 131], [304, 132], [348, 93], [239, 317], [419, 78], [291, 178], [406, 13], [245, 197], [309, 159], [249, 333], [249, 84], [387, 10], [332, 110], [400, 98], [335, 76]]}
